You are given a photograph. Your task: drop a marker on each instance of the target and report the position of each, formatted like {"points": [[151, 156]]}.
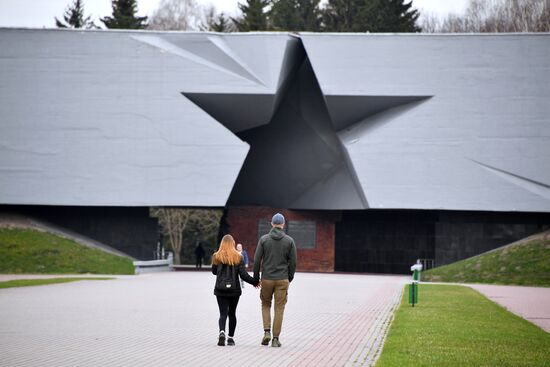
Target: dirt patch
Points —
{"points": [[9, 220]]}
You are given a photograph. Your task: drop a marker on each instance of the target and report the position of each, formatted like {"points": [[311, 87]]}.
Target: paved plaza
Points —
{"points": [[170, 319]]}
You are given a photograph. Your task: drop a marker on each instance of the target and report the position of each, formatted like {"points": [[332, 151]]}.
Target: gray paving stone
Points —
{"points": [[170, 319]]}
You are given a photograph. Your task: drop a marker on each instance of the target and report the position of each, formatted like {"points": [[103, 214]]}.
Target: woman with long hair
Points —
{"points": [[228, 265]]}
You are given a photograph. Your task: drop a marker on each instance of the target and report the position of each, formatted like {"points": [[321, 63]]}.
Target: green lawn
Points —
{"points": [[27, 251], [456, 326], [33, 282], [525, 263]]}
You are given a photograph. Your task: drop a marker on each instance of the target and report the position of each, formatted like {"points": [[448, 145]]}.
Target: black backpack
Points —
{"points": [[226, 279]]}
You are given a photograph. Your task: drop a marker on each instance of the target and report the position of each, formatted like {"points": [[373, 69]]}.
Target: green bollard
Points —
{"points": [[413, 293], [413, 287]]}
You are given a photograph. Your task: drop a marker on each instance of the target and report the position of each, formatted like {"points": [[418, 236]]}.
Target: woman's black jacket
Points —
{"points": [[239, 271]]}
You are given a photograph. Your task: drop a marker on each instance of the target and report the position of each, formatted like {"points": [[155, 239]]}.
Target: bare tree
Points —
{"points": [[495, 16], [179, 224], [430, 22], [176, 15]]}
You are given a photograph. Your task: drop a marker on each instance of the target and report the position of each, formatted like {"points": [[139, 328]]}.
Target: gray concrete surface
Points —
{"points": [[170, 319], [461, 125]]}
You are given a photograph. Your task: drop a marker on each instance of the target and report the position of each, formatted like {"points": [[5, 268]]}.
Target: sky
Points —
{"points": [[41, 13]]}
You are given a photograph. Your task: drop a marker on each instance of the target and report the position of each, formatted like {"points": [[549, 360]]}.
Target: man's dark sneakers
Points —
{"points": [[230, 341], [275, 342], [221, 339], [266, 338]]}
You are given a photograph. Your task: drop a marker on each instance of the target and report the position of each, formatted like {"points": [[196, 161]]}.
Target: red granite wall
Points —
{"points": [[243, 226]]}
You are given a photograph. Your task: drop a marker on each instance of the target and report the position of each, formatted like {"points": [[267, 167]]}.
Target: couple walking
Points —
{"points": [[276, 257]]}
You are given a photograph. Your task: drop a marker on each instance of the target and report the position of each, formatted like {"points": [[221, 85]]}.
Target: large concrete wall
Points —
{"points": [[333, 121], [478, 136], [98, 118]]}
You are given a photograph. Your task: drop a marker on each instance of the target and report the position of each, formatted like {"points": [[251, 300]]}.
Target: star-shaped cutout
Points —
{"points": [[296, 158]]}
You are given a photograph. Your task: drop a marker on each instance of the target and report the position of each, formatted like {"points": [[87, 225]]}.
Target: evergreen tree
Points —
{"points": [[124, 16], [393, 16], [254, 17], [221, 24], [370, 16], [340, 15], [74, 17], [296, 15]]}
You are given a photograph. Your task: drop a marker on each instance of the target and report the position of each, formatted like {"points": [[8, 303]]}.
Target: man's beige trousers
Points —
{"points": [[279, 289]]}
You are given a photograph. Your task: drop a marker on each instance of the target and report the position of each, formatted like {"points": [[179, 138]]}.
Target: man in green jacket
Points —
{"points": [[276, 255]]}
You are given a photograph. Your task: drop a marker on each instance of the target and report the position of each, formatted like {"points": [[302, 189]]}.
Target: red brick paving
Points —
{"points": [[531, 303]]}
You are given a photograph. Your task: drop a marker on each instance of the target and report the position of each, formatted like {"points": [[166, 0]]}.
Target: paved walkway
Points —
{"points": [[531, 303], [170, 319]]}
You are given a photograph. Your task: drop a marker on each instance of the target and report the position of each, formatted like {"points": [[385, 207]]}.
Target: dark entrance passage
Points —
{"points": [[390, 241], [383, 241]]}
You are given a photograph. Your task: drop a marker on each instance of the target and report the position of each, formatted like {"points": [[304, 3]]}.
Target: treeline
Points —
{"points": [[257, 15], [312, 16], [494, 16]]}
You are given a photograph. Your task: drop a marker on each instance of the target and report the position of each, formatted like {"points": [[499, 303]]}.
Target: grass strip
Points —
{"points": [[522, 264], [33, 282], [27, 251], [456, 326]]}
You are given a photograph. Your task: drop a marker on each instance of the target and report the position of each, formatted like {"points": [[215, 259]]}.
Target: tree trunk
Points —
{"points": [[177, 258]]}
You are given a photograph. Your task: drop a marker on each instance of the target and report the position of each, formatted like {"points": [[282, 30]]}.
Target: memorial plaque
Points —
{"points": [[303, 233]]}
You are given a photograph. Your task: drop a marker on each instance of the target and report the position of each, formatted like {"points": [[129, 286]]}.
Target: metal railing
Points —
{"points": [[427, 263]]}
